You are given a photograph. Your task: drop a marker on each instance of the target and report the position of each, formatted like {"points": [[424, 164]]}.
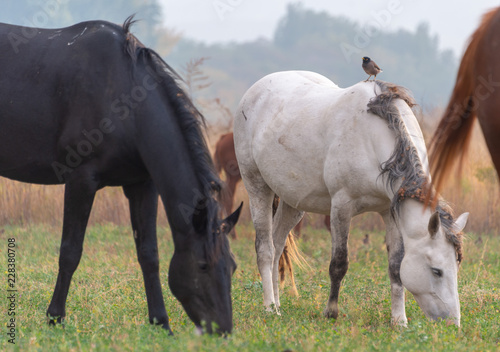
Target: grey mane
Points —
{"points": [[404, 164]]}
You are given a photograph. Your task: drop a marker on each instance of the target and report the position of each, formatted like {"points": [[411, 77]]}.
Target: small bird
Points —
{"points": [[370, 67]]}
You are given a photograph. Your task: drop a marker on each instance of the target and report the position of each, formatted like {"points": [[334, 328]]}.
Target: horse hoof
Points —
{"points": [[402, 322], [167, 327], [269, 309], [53, 321], [330, 314], [273, 309]]}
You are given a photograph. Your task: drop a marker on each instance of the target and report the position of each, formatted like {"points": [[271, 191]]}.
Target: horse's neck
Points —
{"points": [[413, 219], [171, 166], [415, 134], [182, 200]]}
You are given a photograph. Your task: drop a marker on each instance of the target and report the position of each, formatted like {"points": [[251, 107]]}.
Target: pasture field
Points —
{"points": [[106, 307]]}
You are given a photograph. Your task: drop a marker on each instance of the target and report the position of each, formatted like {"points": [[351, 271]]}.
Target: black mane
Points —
{"points": [[191, 122], [404, 164], [189, 117]]}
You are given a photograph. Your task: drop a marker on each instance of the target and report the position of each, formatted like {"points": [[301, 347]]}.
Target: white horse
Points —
{"points": [[343, 152]]}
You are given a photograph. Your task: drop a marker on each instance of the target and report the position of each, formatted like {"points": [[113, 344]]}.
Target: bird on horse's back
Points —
{"points": [[89, 106], [344, 152]]}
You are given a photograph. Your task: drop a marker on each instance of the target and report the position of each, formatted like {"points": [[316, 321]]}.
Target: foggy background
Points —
{"points": [[221, 47], [418, 44]]}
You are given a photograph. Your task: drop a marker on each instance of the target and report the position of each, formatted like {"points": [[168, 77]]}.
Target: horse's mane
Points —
{"points": [[191, 122], [188, 116], [453, 135], [404, 164]]}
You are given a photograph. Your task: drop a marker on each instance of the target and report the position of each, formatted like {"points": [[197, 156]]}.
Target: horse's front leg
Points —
{"points": [[79, 196], [340, 221], [143, 201], [396, 252]]}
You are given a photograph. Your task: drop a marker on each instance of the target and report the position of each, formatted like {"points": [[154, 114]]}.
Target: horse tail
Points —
{"points": [[453, 134], [290, 255]]}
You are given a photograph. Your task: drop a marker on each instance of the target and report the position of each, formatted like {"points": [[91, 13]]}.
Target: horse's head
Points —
{"points": [[430, 266], [201, 269]]}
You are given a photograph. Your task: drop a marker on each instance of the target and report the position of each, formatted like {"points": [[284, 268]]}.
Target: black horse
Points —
{"points": [[89, 106]]}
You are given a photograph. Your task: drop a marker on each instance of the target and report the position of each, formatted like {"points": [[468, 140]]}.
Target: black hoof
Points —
{"points": [[166, 327], [163, 323], [52, 321]]}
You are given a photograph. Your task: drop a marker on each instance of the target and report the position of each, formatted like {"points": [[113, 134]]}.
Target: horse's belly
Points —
{"points": [[295, 176], [312, 203]]}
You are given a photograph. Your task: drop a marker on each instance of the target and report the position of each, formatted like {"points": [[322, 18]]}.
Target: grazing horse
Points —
{"points": [[225, 159], [89, 106], [476, 95], [344, 152]]}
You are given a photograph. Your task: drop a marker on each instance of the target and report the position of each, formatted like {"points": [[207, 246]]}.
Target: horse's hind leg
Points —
{"points": [[340, 221], [283, 222], [143, 201], [79, 196], [396, 252], [261, 199]]}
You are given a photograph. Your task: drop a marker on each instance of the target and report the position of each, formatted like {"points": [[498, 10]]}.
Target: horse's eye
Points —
{"points": [[437, 272], [203, 266]]}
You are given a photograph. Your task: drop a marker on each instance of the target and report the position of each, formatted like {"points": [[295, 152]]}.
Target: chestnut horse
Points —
{"points": [[476, 95], [225, 159]]}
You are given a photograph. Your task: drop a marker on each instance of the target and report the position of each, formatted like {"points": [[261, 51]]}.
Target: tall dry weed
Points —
{"points": [[477, 191]]}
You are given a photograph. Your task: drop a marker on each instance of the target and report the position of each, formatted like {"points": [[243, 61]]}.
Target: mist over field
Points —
{"points": [[217, 75]]}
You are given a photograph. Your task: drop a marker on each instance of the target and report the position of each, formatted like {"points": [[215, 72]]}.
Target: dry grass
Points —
{"points": [[23, 204], [477, 192]]}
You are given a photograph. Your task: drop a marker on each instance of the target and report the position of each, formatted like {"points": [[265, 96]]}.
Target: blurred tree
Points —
{"points": [[308, 40], [60, 13]]}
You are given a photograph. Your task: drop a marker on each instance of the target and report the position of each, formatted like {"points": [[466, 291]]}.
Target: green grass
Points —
{"points": [[106, 308]]}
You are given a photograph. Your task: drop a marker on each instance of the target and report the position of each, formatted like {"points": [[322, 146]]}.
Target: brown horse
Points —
{"points": [[225, 159], [476, 95]]}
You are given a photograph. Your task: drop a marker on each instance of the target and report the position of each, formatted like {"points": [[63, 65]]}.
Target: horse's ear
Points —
{"points": [[229, 222], [434, 224], [460, 223]]}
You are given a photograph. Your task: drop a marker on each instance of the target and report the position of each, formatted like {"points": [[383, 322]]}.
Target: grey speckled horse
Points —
{"points": [[343, 152]]}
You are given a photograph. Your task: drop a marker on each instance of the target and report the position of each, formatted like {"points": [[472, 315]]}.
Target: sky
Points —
{"points": [[222, 21]]}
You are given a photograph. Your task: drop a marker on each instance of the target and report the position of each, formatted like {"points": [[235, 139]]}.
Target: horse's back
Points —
{"points": [[305, 137], [56, 83]]}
